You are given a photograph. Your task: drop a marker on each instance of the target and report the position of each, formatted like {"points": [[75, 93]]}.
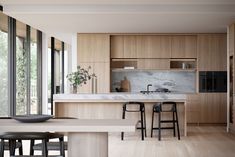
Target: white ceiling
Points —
{"points": [[64, 18]]}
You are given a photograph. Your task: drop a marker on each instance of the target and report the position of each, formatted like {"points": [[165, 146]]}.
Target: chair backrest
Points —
{"points": [[168, 106], [133, 106]]}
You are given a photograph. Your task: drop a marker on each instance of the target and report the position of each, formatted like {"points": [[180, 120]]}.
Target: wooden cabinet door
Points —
{"points": [[231, 39], [86, 88], [102, 71], [155, 46], [130, 46], [213, 107], [153, 64], [117, 46], [93, 48], [212, 52], [184, 46], [193, 108]]}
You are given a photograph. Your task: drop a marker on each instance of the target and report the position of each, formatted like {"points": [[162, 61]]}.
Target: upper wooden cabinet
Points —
{"points": [[123, 46], [212, 52], [153, 64], [117, 46], [93, 48], [140, 46], [184, 46], [153, 46], [231, 41], [130, 46]]}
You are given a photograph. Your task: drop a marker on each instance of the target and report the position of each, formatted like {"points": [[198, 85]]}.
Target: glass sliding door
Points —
{"points": [[4, 109], [33, 72], [21, 69]]}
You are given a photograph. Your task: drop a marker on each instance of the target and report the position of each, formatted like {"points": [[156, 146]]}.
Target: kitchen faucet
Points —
{"points": [[149, 85]]}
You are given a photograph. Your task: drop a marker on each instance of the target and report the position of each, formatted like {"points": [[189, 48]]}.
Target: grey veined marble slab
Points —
{"points": [[181, 82], [119, 97]]}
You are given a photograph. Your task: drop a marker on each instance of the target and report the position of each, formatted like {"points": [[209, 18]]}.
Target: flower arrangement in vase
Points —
{"points": [[79, 77]]}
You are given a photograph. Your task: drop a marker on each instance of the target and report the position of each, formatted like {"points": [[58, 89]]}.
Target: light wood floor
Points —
{"points": [[201, 141]]}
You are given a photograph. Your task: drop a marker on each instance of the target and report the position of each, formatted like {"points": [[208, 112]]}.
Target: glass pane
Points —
{"points": [[49, 76], [21, 69], [3, 65], [58, 74], [33, 73]]}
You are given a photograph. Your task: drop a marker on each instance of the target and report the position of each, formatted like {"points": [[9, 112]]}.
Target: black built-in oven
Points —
{"points": [[212, 81]]}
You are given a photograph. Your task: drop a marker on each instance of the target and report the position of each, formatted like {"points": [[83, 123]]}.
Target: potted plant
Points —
{"points": [[79, 77]]}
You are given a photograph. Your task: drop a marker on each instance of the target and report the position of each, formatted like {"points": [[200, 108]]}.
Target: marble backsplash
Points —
{"points": [[175, 81]]}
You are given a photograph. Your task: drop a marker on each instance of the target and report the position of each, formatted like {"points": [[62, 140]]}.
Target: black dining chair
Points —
{"points": [[32, 136]]}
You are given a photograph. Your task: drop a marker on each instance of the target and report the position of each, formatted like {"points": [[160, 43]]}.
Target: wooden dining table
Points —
{"points": [[86, 137]]}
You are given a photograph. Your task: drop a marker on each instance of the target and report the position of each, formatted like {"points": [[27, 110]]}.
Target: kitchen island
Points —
{"points": [[109, 106]]}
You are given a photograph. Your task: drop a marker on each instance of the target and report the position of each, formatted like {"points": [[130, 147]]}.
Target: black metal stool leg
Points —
{"points": [[159, 126], [2, 148], [123, 117], [62, 153], [142, 124], [152, 123], [145, 126], [177, 123], [173, 123]]}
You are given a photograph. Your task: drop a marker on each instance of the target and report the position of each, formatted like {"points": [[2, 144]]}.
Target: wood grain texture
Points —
{"points": [[102, 71], [113, 111], [152, 64], [117, 46], [213, 107], [184, 46], [231, 33], [212, 52], [201, 142], [93, 48], [153, 46], [130, 47]]}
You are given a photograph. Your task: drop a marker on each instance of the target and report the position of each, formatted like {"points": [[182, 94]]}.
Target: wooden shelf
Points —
{"points": [[139, 70]]}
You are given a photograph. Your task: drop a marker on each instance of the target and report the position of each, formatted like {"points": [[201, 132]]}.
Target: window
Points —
{"points": [[3, 65], [21, 69], [33, 72]]}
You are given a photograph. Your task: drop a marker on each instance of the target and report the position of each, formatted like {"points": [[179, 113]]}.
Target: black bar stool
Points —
{"points": [[159, 108], [32, 136], [142, 121]]}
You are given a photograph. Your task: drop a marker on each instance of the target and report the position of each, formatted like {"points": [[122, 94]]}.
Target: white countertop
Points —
{"points": [[119, 97], [70, 125]]}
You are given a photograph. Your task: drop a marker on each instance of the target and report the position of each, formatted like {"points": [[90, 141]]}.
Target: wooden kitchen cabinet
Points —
{"points": [[184, 46], [129, 45], [231, 41], [153, 46], [213, 107], [153, 64], [212, 52], [193, 108], [93, 48], [207, 108], [117, 46], [102, 72]]}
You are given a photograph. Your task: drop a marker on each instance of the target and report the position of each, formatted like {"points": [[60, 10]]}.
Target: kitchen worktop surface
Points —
{"points": [[119, 97]]}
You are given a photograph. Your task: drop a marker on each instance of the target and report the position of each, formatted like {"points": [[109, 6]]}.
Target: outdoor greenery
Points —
{"points": [[3, 74], [21, 75]]}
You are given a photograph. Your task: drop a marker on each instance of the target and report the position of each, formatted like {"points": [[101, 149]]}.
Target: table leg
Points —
{"points": [[91, 144]]}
